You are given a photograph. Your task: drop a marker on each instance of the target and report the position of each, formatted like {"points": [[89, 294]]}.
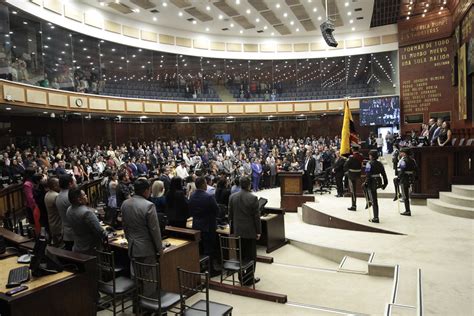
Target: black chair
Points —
{"points": [[231, 256], [323, 180], [150, 297], [191, 283], [114, 288]]}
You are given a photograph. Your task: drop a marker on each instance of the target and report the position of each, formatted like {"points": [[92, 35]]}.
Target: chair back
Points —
{"points": [[230, 249], [106, 267], [147, 276], [191, 283], [470, 142], [461, 142]]}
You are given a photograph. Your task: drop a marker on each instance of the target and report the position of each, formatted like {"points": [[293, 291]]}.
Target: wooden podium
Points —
{"points": [[291, 191]]}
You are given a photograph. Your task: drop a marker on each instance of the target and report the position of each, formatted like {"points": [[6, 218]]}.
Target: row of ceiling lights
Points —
{"points": [[248, 12], [423, 6]]}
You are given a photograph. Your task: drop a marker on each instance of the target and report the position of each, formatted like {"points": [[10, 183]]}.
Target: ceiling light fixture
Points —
{"points": [[277, 6], [180, 13], [248, 11]]}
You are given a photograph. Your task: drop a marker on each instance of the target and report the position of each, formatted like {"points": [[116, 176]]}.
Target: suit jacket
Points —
{"points": [[339, 166], [177, 206], [431, 131], [141, 227], [436, 135], [87, 232], [245, 215], [54, 219], [62, 204], [203, 208], [311, 166]]}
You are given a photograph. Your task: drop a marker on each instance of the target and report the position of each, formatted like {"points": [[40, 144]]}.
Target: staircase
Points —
{"points": [[224, 94], [459, 202]]}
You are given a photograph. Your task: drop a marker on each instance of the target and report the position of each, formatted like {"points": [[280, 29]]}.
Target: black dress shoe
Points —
{"points": [[251, 282], [352, 208], [406, 213], [374, 220]]}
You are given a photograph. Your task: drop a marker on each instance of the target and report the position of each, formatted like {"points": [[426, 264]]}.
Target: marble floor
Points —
{"points": [[442, 246]]}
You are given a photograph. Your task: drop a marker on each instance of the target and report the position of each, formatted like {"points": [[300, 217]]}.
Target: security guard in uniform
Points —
{"points": [[406, 171], [352, 169], [395, 159], [376, 178]]}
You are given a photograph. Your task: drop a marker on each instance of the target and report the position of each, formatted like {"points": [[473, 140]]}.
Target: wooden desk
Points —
{"points": [[13, 238], [183, 253], [64, 293], [441, 167], [33, 283], [273, 229]]}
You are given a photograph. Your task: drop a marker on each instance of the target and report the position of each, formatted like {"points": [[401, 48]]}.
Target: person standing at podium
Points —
{"points": [[308, 168], [352, 168]]}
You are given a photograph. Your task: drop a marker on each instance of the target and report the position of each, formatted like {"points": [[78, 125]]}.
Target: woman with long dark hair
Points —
{"points": [[177, 209], [445, 136]]}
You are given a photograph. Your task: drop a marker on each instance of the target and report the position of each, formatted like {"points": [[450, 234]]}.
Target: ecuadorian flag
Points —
{"points": [[348, 134]]}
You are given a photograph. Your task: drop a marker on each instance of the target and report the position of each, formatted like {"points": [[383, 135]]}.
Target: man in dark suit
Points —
{"points": [[434, 139], [165, 178], [245, 216], [308, 167], [338, 171], [203, 208], [431, 128]]}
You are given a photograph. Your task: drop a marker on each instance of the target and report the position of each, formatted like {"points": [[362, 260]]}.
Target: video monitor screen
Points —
{"points": [[380, 111], [224, 137]]}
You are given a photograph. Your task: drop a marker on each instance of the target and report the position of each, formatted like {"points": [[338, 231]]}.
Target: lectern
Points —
{"points": [[291, 191]]}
